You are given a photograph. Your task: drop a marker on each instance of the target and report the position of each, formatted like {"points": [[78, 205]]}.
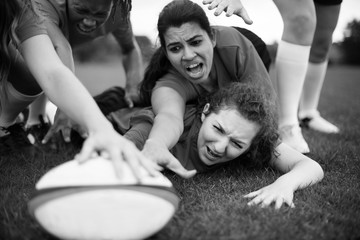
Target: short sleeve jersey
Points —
{"points": [[135, 124], [186, 150], [118, 25], [30, 25], [235, 60]]}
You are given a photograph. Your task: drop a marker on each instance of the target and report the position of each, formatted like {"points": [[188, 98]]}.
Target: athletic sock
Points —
{"points": [[291, 65], [312, 88], [12, 102], [310, 99]]}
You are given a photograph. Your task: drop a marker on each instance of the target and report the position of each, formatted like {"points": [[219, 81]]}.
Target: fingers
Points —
{"points": [[118, 163], [83, 133], [49, 134], [252, 194], [220, 7], [152, 168], [244, 15], [86, 151], [175, 166], [230, 7], [263, 200], [278, 203], [230, 11], [66, 134]]}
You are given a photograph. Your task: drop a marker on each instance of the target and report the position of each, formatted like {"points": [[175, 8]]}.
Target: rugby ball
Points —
{"points": [[88, 201]]}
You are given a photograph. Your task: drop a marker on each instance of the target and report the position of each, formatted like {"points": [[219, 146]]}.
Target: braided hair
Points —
{"points": [[125, 8]]}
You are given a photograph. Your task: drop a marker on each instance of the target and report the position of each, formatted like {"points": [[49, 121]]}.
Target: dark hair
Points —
{"points": [[256, 104], [174, 14], [10, 12]]}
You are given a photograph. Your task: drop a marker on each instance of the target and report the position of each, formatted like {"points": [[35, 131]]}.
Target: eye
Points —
{"points": [[102, 15], [174, 49], [218, 128], [196, 42], [237, 145], [81, 11]]}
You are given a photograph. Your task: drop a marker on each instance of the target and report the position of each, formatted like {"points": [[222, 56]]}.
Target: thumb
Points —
{"points": [[175, 166], [244, 15], [49, 134]]}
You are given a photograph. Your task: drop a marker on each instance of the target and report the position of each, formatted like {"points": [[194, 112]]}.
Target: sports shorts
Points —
{"points": [[328, 2]]}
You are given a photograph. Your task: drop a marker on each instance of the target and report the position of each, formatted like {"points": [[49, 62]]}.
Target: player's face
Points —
{"points": [[224, 136], [190, 50], [88, 15]]}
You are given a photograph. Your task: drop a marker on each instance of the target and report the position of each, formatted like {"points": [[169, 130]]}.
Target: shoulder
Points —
{"points": [[51, 8], [177, 82], [30, 24], [230, 37]]}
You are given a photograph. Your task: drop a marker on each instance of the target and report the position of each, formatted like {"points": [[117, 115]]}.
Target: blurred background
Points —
{"points": [[100, 65]]}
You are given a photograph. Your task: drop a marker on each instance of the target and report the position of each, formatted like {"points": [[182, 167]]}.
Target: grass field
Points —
{"points": [[212, 206]]}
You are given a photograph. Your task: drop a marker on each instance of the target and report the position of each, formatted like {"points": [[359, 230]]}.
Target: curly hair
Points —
{"points": [[258, 105]]}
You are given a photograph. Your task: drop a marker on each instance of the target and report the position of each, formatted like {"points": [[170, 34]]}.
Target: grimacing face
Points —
{"points": [[88, 15], [224, 136], [190, 51]]}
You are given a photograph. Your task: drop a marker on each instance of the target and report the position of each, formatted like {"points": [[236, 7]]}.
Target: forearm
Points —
{"points": [[66, 92], [133, 64], [166, 129], [61, 45], [303, 174]]}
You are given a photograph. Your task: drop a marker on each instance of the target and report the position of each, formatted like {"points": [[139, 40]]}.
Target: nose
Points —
{"points": [[89, 22], [220, 145], [189, 54]]}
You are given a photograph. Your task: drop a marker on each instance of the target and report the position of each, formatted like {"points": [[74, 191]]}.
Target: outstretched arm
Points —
{"points": [[169, 108], [67, 92], [300, 172], [230, 7], [63, 49]]}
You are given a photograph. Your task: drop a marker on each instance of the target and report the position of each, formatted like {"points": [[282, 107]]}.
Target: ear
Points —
{"points": [[206, 111], [213, 40]]}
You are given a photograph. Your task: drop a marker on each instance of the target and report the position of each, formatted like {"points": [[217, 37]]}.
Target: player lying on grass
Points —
{"points": [[236, 123]]}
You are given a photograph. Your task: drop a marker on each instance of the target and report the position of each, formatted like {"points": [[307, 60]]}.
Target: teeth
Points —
{"points": [[212, 153], [84, 29], [193, 66]]}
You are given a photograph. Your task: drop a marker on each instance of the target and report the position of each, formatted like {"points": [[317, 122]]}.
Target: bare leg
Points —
{"points": [[327, 18], [17, 92], [291, 66]]}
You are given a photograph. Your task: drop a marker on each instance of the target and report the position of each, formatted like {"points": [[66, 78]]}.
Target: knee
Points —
{"points": [[320, 50], [321, 46], [300, 27]]}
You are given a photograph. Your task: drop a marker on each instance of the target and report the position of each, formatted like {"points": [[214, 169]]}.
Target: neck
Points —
{"points": [[209, 85]]}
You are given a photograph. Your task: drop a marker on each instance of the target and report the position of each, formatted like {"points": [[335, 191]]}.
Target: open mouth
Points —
{"points": [[85, 29], [212, 155], [195, 70]]}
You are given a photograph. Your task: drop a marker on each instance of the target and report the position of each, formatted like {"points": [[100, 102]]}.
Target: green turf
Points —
{"points": [[212, 206]]}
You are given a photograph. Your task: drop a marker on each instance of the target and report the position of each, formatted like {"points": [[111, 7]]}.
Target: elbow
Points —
{"points": [[63, 48], [176, 121]]}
